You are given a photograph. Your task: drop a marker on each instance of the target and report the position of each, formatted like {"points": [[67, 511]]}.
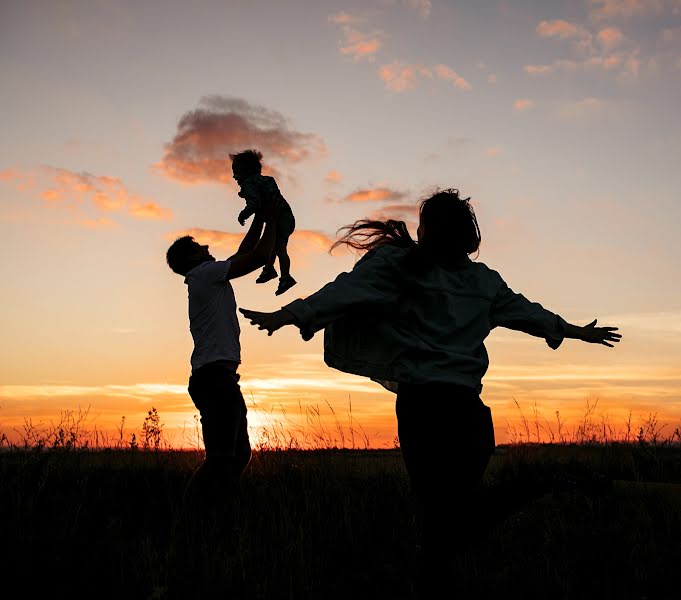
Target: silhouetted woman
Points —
{"points": [[413, 315]]}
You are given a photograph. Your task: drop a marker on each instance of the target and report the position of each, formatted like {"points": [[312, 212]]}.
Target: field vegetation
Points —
{"points": [[600, 518]]}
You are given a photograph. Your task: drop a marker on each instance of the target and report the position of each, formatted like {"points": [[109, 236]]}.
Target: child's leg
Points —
{"points": [[284, 261]]}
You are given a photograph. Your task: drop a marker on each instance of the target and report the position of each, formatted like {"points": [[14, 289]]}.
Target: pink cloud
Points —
{"points": [[333, 177], [560, 29], [78, 191], [199, 151], [538, 69], [307, 240], [423, 7], [358, 44], [400, 77], [523, 104], [584, 109], [610, 37], [446, 73], [375, 195], [609, 9]]}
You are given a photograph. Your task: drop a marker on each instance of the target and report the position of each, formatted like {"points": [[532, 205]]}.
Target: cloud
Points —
{"points": [[400, 77], [379, 194], [79, 192], [560, 29], [199, 151], [610, 37], [398, 212], [312, 241], [584, 109], [494, 151], [333, 177], [605, 50], [522, 104], [626, 9], [492, 78], [447, 74], [358, 44], [424, 7]]}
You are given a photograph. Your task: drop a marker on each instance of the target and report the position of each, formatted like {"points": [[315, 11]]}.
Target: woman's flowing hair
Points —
{"points": [[449, 223], [367, 234]]}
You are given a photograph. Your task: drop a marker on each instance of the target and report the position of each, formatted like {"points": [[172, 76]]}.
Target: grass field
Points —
{"points": [[336, 524]]}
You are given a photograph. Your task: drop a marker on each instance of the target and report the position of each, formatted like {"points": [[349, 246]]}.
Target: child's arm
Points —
{"points": [[245, 214]]}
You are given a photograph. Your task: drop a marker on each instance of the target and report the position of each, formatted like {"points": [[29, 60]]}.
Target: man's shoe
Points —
{"points": [[285, 283], [267, 274]]}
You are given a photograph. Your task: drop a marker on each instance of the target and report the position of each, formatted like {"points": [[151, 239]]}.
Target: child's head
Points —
{"points": [[447, 225], [185, 253], [245, 164]]}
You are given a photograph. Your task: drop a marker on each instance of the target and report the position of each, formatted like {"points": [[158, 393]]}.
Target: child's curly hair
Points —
{"points": [[248, 160]]}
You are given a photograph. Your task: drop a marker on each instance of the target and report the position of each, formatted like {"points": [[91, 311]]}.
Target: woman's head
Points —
{"points": [[448, 230], [448, 227]]}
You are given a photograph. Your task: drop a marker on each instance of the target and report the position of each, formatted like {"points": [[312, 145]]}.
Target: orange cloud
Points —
{"points": [[538, 69], [609, 9], [101, 223], [333, 177], [400, 77], [610, 37], [422, 6], [76, 191], [494, 151], [444, 72], [560, 29], [586, 108], [199, 151], [229, 242], [355, 43], [375, 195], [523, 104], [398, 212]]}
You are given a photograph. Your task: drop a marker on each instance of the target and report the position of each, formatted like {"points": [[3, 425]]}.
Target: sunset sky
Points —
{"points": [[559, 118]]}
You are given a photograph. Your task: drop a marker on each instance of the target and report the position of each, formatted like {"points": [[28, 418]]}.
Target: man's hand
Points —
{"points": [[269, 321], [599, 335]]}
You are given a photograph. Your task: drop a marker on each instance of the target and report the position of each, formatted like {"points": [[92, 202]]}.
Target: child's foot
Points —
{"points": [[285, 283], [266, 274]]}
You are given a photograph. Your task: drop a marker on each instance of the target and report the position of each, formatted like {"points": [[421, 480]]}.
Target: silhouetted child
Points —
{"points": [[256, 189]]}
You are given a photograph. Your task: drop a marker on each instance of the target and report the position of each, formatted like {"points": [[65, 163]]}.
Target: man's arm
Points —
{"points": [[243, 264], [250, 239]]}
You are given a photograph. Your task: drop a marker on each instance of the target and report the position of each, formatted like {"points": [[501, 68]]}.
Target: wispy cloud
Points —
{"points": [[401, 77], [80, 192], [494, 151], [626, 9], [307, 239], [199, 151], [333, 177], [523, 104], [423, 7], [603, 49], [560, 29], [584, 109], [357, 43], [378, 194]]}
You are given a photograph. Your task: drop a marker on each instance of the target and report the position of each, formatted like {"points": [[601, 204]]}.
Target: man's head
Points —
{"points": [[185, 253], [245, 164]]}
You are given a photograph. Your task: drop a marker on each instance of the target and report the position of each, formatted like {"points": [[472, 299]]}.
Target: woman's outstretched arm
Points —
{"points": [[592, 334], [374, 281]]}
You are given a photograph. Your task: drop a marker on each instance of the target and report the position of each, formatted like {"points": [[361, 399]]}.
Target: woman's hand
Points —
{"points": [[599, 335], [269, 321]]}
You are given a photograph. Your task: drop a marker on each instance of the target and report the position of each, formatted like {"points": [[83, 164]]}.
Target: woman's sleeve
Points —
{"points": [[374, 281], [514, 311]]}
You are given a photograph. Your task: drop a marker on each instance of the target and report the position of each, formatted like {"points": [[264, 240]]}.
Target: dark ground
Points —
{"points": [[336, 524]]}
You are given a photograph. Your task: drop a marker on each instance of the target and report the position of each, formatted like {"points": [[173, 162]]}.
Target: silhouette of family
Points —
{"points": [[412, 315]]}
